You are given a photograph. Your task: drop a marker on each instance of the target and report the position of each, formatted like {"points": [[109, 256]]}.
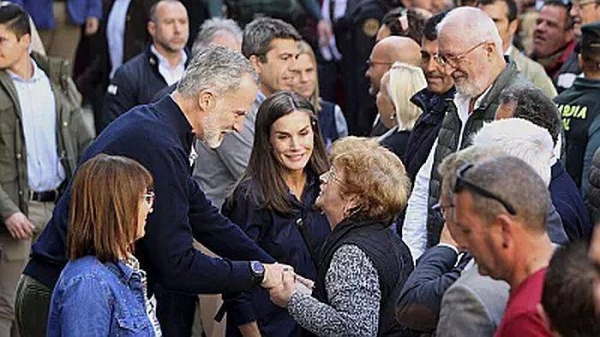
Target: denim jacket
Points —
{"points": [[96, 299]]}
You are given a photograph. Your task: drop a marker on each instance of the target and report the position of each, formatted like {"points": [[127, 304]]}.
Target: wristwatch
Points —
{"points": [[258, 272]]}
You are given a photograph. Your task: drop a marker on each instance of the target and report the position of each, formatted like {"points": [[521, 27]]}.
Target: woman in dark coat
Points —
{"points": [[273, 204]]}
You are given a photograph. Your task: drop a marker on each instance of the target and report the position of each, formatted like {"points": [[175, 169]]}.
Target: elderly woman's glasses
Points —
{"points": [[462, 183], [453, 61], [149, 198], [331, 176], [439, 211]]}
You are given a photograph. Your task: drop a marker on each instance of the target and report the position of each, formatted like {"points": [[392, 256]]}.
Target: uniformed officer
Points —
{"points": [[580, 108]]}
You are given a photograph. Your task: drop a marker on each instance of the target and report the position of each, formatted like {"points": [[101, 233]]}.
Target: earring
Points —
{"points": [[393, 116]]}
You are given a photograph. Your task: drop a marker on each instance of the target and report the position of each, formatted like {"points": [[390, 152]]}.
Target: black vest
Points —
{"points": [[389, 255]]}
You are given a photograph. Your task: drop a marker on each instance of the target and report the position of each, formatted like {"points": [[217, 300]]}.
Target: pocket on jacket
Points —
{"points": [[133, 324]]}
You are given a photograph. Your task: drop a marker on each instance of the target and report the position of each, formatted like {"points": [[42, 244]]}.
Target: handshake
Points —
{"points": [[282, 282]]}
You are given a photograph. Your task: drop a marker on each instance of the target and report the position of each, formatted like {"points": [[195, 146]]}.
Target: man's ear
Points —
{"points": [[507, 227], [151, 27], [256, 63], [512, 27], [207, 100]]}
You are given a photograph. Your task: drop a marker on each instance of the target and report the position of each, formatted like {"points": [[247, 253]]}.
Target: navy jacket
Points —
{"points": [[426, 128], [569, 204], [159, 137], [397, 142], [279, 236], [135, 82], [419, 303]]}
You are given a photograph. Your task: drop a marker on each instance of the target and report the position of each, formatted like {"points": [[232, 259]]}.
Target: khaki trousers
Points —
{"points": [[61, 41], [14, 257]]}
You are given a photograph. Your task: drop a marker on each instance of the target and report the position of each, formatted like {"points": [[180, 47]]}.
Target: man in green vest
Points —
{"points": [[471, 52]]}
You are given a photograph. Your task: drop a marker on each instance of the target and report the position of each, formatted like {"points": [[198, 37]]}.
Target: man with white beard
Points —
{"points": [[470, 51]]}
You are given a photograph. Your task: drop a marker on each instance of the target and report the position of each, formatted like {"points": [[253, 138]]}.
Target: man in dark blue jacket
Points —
{"points": [[211, 100], [160, 65]]}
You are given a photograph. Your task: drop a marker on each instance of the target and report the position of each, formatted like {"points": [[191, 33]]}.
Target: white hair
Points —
{"points": [[474, 25], [522, 139]]}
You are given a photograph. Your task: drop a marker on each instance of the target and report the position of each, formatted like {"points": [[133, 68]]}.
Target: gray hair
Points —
{"points": [[515, 182], [533, 105], [475, 26], [522, 139], [217, 68], [210, 28]]}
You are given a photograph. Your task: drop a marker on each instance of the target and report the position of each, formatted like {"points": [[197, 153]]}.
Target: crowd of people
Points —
{"points": [[299, 168]]}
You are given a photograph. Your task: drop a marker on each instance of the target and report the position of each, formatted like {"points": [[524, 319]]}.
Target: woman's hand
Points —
{"points": [[280, 295]]}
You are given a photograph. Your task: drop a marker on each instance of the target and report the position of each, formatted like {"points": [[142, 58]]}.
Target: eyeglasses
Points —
{"points": [[462, 183], [371, 63], [453, 61], [582, 4], [331, 176], [439, 211], [149, 198]]}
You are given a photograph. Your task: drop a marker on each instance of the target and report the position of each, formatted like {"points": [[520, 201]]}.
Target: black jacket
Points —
{"points": [[135, 82], [426, 128]]}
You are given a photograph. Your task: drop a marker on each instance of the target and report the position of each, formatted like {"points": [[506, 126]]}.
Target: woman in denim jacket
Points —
{"points": [[102, 290]]}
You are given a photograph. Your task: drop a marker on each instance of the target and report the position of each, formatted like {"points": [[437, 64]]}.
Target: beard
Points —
{"points": [[213, 137], [467, 87]]}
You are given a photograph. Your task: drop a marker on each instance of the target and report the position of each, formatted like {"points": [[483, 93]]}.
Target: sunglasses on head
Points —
{"points": [[462, 183]]}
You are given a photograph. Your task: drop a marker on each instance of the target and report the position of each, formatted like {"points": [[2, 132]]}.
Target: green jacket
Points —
{"points": [[72, 134], [449, 135]]}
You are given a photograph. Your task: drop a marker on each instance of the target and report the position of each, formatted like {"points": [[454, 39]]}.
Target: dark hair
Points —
{"points": [[103, 213], [414, 27], [15, 18], [568, 292], [513, 10], [263, 167], [259, 33], [566, 5], [533, 105], [430, 30]]}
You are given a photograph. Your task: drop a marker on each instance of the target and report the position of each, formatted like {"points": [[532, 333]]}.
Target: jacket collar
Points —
{"points": [[431, 102], [586, 83], [173, 116], [121, 270], [507, 75]]}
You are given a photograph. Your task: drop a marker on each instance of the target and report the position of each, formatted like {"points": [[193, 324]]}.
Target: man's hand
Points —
{"points": [[19, 226], [324, 32], [280, 295], [446, 237], [91, 25], [249, 329], [274, 274]]}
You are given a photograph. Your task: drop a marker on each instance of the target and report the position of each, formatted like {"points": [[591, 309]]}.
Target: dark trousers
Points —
{"points": [[175, 312], [32, 306]]}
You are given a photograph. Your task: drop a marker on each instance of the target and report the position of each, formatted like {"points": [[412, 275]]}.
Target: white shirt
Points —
{"points": [[115, 33], [38, 117], [414, 230], [170, 74]]}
